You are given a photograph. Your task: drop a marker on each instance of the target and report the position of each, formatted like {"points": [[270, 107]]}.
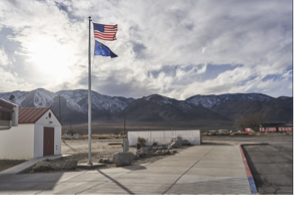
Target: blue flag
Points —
{"points": [[103, 50]]}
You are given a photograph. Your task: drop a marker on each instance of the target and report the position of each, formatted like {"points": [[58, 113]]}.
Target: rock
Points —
{"points": [[166, 152], [136, 157], [176, 144], [150, 153], [159, 152], [55, 166], [150, 149], [155, 148], [70, 165], [185, 143], [174, 151], [163, 147], [123, 158], [41, 166], [142, 152], [106, 160]]}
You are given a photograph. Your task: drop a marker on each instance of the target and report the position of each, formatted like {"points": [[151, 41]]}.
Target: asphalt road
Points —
{"points": [[271, 165]]}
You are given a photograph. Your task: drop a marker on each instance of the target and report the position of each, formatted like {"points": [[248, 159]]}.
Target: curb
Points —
{"points": [[250, 176]]}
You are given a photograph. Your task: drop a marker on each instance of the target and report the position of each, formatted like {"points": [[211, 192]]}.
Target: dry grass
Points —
{"points": [[97, 137]]}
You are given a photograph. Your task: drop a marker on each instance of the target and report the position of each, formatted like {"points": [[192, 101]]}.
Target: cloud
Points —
{"points": [[11, 81], [166, 48], [4, 60]]}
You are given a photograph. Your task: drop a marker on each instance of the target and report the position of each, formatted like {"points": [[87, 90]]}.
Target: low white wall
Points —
{"points": [[52, 122], [17, 142], [164, 136]]}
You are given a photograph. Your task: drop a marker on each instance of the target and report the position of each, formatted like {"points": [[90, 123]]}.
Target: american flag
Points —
{"points": [[105, 32]]}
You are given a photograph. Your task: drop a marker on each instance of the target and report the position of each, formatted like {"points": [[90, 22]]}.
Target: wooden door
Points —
{"points": [[48, 141]]}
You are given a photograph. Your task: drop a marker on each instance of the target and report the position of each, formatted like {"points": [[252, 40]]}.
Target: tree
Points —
{"points": [[251, 120], [11, 97]]}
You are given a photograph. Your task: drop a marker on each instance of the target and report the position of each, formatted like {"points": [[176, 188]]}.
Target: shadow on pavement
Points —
{"points": [[133, 168], [116, 182], [28, 182]]}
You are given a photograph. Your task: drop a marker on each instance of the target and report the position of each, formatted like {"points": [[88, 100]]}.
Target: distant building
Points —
{"points": [[276, 127]]}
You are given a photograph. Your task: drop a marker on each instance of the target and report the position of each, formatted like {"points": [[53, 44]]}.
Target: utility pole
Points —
{"points": [[124, 126], [60, 115]]}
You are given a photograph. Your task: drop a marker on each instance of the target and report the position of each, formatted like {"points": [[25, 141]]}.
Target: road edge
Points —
{"points": [[250, 176]]}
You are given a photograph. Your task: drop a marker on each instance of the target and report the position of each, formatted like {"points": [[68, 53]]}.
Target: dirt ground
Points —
{"points": [[6, 163], [78, 149]]}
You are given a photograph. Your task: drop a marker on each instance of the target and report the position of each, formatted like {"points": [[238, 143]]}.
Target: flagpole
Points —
{"points": [[89, 98]]}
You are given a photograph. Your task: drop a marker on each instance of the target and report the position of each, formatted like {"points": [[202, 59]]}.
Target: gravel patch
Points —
{"points": [[100, 149]]}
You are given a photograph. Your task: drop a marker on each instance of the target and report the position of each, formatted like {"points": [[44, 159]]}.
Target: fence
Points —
{"points": [[164, 137]]}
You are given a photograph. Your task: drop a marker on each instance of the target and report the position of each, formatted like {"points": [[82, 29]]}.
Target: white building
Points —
{"points": [[8, 114], [38, 134], [164, 136]]}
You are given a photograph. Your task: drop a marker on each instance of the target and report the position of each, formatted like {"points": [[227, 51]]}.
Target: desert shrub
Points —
{"points": [[154, 143], [179, 137], [142, 141], [185, 141]]}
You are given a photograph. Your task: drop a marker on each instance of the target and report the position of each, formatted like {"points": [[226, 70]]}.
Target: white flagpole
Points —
{"points": [[89, 99]]}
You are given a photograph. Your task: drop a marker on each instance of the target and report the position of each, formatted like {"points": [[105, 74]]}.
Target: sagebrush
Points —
{"points": [[142, 141]]}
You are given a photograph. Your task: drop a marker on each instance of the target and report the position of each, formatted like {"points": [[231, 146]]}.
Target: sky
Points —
{"points": [[174, 48]]}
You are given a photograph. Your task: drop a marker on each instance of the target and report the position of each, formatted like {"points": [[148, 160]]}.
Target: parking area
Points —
{"points": [[271, 165], [272, 169]]}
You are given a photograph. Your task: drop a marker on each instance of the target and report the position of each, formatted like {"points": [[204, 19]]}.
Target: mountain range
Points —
{"points": [[196, 110]]}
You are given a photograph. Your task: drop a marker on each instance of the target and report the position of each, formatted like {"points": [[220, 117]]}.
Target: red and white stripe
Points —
{"points": [[109, 33]]}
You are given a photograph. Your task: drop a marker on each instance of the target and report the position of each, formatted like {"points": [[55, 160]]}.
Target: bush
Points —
{"points": [[186, 142], [142, 141], [154, 143], [179, 138]]}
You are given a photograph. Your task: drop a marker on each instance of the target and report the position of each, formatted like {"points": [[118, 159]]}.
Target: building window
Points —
{"points": [[49, 115]]}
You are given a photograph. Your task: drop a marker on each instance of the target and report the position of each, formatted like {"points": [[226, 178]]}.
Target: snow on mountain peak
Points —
{"points": [[209, 101]]}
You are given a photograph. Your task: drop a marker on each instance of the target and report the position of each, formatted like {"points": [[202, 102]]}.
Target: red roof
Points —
{"points": [[31, 114]]}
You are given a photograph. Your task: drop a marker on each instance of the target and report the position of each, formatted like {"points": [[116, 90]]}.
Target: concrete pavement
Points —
{"points": [[205, 169]]}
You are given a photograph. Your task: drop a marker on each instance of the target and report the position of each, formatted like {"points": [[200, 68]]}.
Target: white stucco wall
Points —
{"points": [[45, 121], [164, 136], [17, 142]]}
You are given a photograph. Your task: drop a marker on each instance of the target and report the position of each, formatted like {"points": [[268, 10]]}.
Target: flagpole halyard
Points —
{"points": [[89, 98]]}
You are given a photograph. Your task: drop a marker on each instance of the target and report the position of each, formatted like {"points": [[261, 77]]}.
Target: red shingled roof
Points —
{"points": [[31, 114]]}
